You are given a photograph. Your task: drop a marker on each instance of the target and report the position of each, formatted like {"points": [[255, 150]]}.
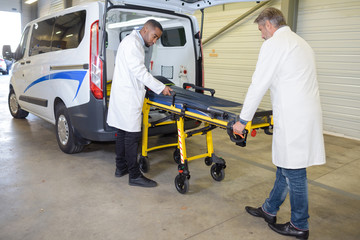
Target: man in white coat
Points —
{"points": [[286, 66], [127, 98]]}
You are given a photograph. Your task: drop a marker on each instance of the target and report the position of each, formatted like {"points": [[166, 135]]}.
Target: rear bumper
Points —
{"points": [[89, 122]]}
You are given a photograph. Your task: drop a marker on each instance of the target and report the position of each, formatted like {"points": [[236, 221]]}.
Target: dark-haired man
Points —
{"points": [[127, 98], [286, 66]]}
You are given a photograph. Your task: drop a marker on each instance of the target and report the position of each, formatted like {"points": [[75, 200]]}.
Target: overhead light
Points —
{"points": [[70, 35], [135, 22], [30, 1]]}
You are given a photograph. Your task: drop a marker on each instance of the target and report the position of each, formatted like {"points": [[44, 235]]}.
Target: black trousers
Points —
{"points": [[127, 144]]}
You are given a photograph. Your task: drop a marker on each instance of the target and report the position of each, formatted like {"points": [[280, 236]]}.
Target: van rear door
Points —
{"points": [[173, 56], [182, 6]]}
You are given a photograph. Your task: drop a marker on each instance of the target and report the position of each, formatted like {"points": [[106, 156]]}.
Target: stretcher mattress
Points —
{"points": [[204, 104]]}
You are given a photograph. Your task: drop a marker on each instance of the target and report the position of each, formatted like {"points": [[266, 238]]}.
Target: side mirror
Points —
{"points": [[6, 52]]}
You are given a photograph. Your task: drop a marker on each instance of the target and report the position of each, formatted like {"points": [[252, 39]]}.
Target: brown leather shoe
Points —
{"points": [[258, 212], [289, 230]]}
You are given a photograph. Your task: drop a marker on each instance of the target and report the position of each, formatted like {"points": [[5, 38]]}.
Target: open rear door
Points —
{"points": [[180, 6]]}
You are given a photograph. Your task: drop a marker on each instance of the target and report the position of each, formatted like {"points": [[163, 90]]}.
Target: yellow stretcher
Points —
{"points": [[186, 104]]}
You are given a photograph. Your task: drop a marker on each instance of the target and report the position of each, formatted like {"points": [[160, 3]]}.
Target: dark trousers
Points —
{"points": [[127, 144]]}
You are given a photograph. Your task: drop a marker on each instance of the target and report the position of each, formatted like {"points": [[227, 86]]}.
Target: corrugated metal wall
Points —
{"points": [[47, 7], [79, 2], [331, 27], [230, 59]]}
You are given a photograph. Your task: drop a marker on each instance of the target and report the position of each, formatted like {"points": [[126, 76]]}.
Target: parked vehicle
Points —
{"points": [[65, 62], [3, 66]]}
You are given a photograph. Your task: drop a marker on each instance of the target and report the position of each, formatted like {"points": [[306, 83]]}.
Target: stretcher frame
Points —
{"points": [[177, 116]]}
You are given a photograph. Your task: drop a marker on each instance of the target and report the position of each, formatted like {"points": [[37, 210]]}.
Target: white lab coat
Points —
{"points": [[128, 85], [286, 65]]}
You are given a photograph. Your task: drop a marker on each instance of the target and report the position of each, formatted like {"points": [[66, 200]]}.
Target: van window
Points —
{"points": [[22, 46], [174, 37], [41, 37], [68, 31], [63, 32]]}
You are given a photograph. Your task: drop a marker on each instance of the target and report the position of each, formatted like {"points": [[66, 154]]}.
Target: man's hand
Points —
{"points": [[167, 91], [238, 128]]}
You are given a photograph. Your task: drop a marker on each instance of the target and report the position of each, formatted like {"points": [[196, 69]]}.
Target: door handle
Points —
{"points": [[28, 61], [22, 63]]}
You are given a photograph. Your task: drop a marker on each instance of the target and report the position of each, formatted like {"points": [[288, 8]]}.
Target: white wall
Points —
{"points": [[10, 20], [10, 5]]}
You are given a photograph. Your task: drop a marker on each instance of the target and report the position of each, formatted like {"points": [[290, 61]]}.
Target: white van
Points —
{"points": [[65, 62]]}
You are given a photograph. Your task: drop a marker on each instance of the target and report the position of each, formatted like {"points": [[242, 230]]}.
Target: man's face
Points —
{"points": [[267, 30], [151, 36]]}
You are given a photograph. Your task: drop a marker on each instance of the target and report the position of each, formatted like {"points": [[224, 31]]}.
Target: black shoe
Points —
{"points": [[120, 173], [142, 181], [258, 212], [289, 230]]}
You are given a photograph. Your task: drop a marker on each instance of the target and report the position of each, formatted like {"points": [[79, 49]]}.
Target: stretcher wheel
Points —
{"points": [[177, 157], [217, 172], [182, 184], [144, 164], [208, 161]]}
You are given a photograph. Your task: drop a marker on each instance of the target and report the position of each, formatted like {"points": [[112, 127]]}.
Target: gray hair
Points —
{"points": [[274, 15]]}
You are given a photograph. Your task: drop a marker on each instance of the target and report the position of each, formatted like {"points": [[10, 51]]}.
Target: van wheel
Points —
{"points": [[65, 133], [14, 106]]}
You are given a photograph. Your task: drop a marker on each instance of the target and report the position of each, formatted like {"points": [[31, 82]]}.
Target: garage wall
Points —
{"points": [[79, 2], [47, 7], [230, 59], [331, 27]]}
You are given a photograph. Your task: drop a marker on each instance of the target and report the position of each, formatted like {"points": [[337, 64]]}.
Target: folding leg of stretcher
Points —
{"points": [[178, 115]]}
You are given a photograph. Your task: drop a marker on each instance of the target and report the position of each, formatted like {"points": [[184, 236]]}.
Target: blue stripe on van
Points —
{"points": [[69, 75]]}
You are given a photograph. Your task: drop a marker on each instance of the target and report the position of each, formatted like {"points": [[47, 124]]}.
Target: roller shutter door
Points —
{"points": [[332, 28], [79, 2], [230, 58]]}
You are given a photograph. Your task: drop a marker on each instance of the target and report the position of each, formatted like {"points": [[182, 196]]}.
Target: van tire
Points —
{"points": [[14, 106], [65, 136]]}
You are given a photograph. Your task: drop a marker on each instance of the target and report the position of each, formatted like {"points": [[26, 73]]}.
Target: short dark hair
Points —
{"points": [[153, 23], [274, 15]]}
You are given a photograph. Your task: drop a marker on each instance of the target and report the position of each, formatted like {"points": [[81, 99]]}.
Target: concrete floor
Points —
{"points": [[46, 194]]}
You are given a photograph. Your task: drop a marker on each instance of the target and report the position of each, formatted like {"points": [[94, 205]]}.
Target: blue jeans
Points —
{"points": [[293, 181]]}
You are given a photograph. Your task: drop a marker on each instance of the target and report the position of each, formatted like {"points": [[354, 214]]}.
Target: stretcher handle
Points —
{"points": [[212, 91], [173, 94], [234, 137]]}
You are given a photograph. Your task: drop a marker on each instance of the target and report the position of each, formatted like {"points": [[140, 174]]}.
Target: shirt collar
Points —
{"points": [[142, 40], [281, 29]]}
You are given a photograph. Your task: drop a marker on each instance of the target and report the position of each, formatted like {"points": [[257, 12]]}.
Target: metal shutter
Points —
{"points": [[332, 28], [230, 59], [79, 2]]}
